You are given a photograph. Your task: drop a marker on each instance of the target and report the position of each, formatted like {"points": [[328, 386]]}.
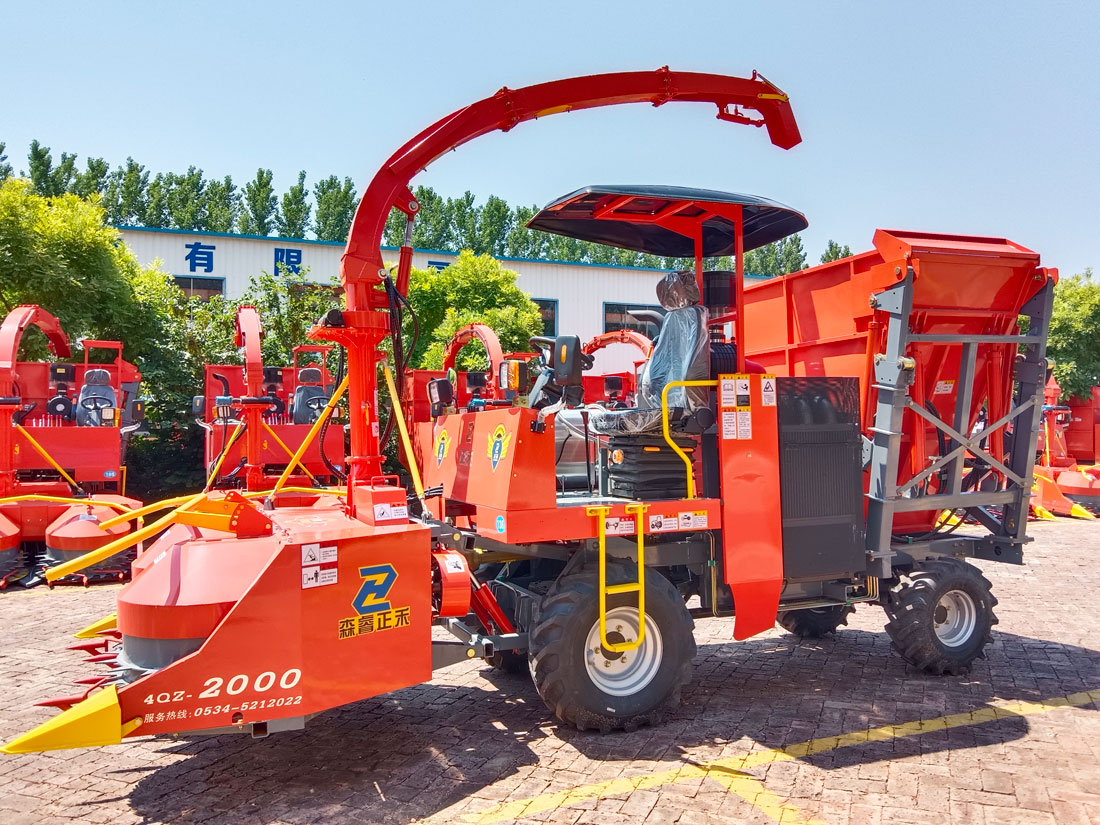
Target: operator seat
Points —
{"points": [[97, 384], [309, 387], [681, 353]]}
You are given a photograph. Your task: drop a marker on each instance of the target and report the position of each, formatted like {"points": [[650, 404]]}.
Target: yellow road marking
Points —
{"points": [[730, 772]]}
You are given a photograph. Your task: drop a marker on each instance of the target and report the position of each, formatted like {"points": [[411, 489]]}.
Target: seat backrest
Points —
{"points": [[301, 411], [682, 349], [97, 383]]}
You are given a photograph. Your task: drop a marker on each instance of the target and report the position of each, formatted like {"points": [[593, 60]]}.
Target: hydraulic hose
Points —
{"points": [[332, 468]]}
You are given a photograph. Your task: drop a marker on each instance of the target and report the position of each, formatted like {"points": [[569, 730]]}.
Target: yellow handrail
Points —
{"points": [[225, 452], [287, 449], [121, 543], [42, 452], [143, 511], [316, 428], [129, 514], [668, 433], [322, 491], [404, 433], [630, 587]]}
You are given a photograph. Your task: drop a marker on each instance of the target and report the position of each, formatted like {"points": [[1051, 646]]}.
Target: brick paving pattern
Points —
{"points": [[474, 740]]}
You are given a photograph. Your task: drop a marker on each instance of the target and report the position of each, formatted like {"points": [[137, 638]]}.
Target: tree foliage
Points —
{"points": [[47, 179], [783, 256], [1074, 341], [5, 167], [293, 219], [473, 289], [259, 207], [834, 252], [336, 204], [223, 205]]}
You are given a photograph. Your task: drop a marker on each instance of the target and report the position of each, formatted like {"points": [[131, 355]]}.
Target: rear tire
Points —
{"points": [[591, 688], [815, 622], [941, 616]]}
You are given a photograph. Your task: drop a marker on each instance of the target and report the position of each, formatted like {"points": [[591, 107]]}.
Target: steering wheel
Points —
{"points": [[95, 403], [542, 342], [278, 406], [317, 403]]}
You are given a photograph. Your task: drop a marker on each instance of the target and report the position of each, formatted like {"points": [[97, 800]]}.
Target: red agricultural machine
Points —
{"points": [[793, 492], [1063, 486], [63, 434], [261, 420]]}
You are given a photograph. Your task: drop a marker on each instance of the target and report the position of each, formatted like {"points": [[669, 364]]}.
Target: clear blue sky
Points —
{"points": [[956, 117]]}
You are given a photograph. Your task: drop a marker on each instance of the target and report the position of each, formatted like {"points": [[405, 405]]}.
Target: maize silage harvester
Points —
{"points": [[63, 434], [259, 420], [792, 484]]}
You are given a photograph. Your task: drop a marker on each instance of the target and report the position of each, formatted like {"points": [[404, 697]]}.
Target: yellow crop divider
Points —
{"points": [[605, 590]]}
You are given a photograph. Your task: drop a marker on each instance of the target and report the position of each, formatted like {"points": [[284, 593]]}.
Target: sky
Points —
{"points": [[976, 118]]}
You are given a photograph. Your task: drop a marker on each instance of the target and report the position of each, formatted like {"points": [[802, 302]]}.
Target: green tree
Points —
{"points": [[58, 253], [5, 167], [289, 305], [783, 256], [834, 252], [222, 205], [155, 213], [258, 215], [475, 288], [433, 228], [521, 242], [93, 180], [293, 220], [1074, 344], [47, 179], [336, 203], [494, 224], [186, 199]]}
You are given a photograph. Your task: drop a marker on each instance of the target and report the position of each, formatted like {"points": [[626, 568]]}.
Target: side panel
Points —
{"points": [[305, 636], [752, 524]]}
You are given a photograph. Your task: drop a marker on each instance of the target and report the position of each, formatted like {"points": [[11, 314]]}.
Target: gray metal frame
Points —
{"points": [[894, 372]]}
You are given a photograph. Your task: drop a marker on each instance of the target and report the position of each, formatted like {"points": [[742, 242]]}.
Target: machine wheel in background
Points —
{"points": [[941, 616], [815, 622], [593, 688], [509, 661]]}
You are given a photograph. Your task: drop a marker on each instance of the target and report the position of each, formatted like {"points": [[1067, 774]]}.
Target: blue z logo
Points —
{"points": [[373, 596]]}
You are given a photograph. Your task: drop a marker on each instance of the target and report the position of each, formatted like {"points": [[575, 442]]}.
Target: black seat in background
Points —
{"points": [[309, 387], [97, 384]]}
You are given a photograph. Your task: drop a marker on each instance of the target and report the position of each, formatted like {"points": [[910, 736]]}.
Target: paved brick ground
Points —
{"points": [[473, 738]]}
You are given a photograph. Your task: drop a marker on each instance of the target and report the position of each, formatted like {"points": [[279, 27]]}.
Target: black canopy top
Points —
{"points": [[627, 225]]}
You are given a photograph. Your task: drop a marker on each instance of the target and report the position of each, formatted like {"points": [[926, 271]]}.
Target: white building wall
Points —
{"points": [[580, 289]]}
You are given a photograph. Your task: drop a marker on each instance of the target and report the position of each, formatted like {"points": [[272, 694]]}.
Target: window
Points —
{"points": [[618, 316], [204, 288], [548, 309]]}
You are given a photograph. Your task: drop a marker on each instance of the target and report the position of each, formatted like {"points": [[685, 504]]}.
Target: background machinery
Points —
{"points": [[790, 488], [63, 433], [257, 417]]}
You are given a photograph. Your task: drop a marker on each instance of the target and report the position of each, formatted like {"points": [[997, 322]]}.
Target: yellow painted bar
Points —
{"points": [[49, 458], [316, 428], [119, 544], [129, 514], [404, 433], [286, 449], [163, 504], [668, 433], [218, 464]]}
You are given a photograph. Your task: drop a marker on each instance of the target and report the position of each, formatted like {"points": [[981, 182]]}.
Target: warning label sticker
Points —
{"points": [[315, 554], [619, 526], [727, 392], [318, 576], [693, 520], [744, 424], [663, 524], [453, 563], [767, 390], [387, 512], [944, 388], [729, 424], [742, 391]]}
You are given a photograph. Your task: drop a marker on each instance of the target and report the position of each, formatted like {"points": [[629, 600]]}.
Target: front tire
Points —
{"points": [[593, 688], [941, 616]]}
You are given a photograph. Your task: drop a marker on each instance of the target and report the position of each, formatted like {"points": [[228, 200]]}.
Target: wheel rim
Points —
{"points": [[623, 674], [954, 618]]}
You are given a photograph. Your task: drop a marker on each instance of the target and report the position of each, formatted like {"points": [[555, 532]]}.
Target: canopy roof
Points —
{"points": [[638, 218]]}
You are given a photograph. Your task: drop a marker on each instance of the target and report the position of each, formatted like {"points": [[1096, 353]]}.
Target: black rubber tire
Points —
{"points": [[557, 650], [911, 607], [816, 622]]}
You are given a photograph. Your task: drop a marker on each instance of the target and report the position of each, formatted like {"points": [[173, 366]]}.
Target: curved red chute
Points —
{"points": [[11, 333], [362, 258], [249, 334]]}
